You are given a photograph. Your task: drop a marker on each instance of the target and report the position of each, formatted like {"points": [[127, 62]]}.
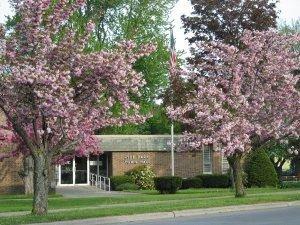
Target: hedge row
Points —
{"points": [[206, 181], [116, 181], [170, 184], [193, 182], [215, 181]]}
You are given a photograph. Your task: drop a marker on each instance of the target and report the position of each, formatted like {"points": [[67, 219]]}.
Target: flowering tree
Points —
{"points": [[243, 95], [54, 93]]}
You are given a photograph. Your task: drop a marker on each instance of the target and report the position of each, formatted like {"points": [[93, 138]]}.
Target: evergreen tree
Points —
{"points": [[259, 169]]}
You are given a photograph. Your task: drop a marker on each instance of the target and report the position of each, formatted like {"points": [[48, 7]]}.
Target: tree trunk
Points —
{"points": [[28, 175], [235, 162], [40, 180], [231, 178]]}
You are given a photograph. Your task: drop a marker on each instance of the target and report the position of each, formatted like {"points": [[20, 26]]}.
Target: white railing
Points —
{"points": [[290, 178], [100, 182]]}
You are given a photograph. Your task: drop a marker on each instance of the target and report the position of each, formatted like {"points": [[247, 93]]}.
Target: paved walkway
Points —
{"points": [[86, 191]]}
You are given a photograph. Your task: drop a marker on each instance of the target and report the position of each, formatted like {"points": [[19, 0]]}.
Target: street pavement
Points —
{"points": [[276, 213], [278, 216]]}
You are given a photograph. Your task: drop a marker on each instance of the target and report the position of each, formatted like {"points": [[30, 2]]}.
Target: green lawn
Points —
{"points": [[141, 202], [25, 196], [13, 204]]}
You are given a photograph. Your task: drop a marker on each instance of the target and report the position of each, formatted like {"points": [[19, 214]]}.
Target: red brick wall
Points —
{"points": [[10, 181], [217, 163], [187, 164]]}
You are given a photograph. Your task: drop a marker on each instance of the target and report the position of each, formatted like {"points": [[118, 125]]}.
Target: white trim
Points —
{"points": [[172, 151], [224, 162], [74, 171], [59, 175], [74, 174], [205, 148], [88, 170]]}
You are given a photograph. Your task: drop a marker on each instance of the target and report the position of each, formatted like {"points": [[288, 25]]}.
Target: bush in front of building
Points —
{"points": [[116, 181], [260, 170], [168, 184], [215, 180], [127, 187], [290, 184], [143, 177], [192, 182]]}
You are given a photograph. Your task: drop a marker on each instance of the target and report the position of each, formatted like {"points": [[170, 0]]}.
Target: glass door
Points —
{"points": [[103, 165], [75, 172], [81, 170], [67, 173], [98, 165]]}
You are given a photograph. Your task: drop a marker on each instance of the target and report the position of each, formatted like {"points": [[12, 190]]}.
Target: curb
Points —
{"points": [[173, 214], [238, 208]]}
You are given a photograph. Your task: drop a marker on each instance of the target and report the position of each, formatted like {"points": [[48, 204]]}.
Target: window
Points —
{"points": [[225, 164], [207, 159]]}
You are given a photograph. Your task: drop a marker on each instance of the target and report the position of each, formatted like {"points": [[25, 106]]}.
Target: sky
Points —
{"points": [[289, 10]]}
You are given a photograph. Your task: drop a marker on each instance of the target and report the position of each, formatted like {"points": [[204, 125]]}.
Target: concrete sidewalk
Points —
{"points": [[87, 191], [173, 214]]}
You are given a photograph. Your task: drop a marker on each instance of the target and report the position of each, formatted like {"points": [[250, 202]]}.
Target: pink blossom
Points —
{"points": [[246, 93], [56, 95]]}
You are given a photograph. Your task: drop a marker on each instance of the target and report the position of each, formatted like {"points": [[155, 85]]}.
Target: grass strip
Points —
{"points": [[16, 205], [159, 207]]}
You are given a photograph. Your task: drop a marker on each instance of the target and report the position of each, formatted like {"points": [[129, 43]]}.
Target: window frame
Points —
{"points": [[208, 148]]}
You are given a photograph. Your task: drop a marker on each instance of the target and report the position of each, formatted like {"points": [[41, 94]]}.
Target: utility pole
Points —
{"points": [[172, 149], [173, 61]]}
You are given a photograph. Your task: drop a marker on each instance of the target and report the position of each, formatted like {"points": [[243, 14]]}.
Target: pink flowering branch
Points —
{"points": [[243, 93], [55, 94]]}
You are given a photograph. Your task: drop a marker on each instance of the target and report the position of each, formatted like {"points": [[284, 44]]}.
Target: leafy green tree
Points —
{"points": [[142, 21], [282, 152], [226, 21], [159, 123]]}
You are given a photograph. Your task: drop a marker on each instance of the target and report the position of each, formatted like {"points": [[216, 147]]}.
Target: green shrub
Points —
{"points": [[193, 182], [215, 180], [290, 184], [167, 185], [116, 181], [143, 177], [127, 186], [260, 170]]}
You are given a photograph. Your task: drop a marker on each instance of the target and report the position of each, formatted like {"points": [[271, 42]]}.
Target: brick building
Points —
{"points": [[10, 180], [122, 153]]}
